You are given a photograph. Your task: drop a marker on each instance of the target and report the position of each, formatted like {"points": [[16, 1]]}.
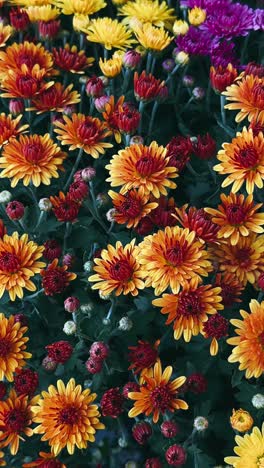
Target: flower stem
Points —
{"points": [[149, 62], [41, 216], [141, 110], [126, 80], [223, 114], [66, 235], [74, 169], [28, 298], [152, 118]]}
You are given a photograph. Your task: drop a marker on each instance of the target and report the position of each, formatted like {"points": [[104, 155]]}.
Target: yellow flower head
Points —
{"points": [[148, 11], [180, 28], [27, 3], [152, 38], [196, 16], [111, 67], [79, 7], [5, 33], [80, 23], [42, 13], [249, 450], [110, 33], [241, 420]]}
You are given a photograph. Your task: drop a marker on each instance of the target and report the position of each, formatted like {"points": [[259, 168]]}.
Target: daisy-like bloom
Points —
{"points": [[249, 450], [215, 328], [15, 420], [172, 258], [118, 270], [10, 127], [79, 7], [67, 417], [148, 11], [189, 309], [131, 207], [230, 286], [55, 99], [111, 67], [110, 110], [18, 263], [81, 131], [243, 161], [65, 208], [110, 33], [12, 347], [143, 356], [237, 217], [197, 220], [31, 158], [249, 343], [143, 167], [45, 460], [27, 54], [6, 32], [55, 279], [241, 420], [245, 259], [152, 38], [24, 84], [247, 96], [71, 60], [158, 394]]}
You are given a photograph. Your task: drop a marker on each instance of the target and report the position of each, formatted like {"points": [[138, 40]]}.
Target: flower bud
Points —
{"points": [[69, 110], [106, 321], [94, 366], [131, 59], [48, 364], [45, 204], [175, 455], [101, 102], [122, 442], [102, 199], [71, 304], [70, 327], [48, 29], [196, 16], [169, 429], [181, 58], [198, 93], [125, 324], [241, 420], [88, 266], [16, 106], [141, 432], [153, 463], [110, 215], [87, 308], [180, 28], [19, 19], [168, 65], [88, 174], [15, 210], [99, 350], [22, 319], [80, 22], [68, 260], [258, 401], [200, 424], [129, 387], [103, 296], [131, 464], [188, 81], [136, 140], [94, 87], [5, 196]]}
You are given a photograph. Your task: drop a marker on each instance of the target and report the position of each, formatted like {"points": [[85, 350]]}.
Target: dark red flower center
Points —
{"points": [[5, 347], [161, 398], [55, 281], [243, 257], [68, 415], [247, 156], [33, 152], [258, 95], [216, 326], [88, 132], [261, 339], [50, 464], [146, 165], [26, 59], [189, 304], [235, 213], [16, 420], [121, 270], [27, 85], [9, 262], [130, 207], [175, 254]]}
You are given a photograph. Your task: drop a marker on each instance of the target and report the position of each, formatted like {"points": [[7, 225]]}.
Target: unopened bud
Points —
{"points": [[87, 308], [258, 401], [136, 140], [71, 304], [88, 266], [16, 106], [69, 327], [110, 215], [200, 423], [5, 196], [125, 324], [122, 442], [88, 174], [198, 93], [45, 204]]}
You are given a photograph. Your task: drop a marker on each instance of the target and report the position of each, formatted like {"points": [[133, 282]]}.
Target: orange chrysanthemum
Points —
{"points": [[10, 127], [247, 95], [27, 54], [33, 159], [118, 270], [188, 310], [67, 417], [237, 217], [18, 263], [171, 258], [131, 207], [45, 460], [143, 167], [5, 33], [245, 259], [249, 342], [157, 394], [243, 161], [24, 84], [12, 347], [111, 108], [71, 60], [55, 99], [81, 131], [230, 286], [15, 419]]}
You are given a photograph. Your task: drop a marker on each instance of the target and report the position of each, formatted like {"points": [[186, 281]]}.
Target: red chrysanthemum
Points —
{"points": [[153, 463], [19, 19], [112, 403], [127, 119], [52, 250], [196, 383], [145, 226], [216, 328], [65, 208], [179, 150], [45, 460], [15, 210], [24, 84], [95, 87], [55, 279], [70, 60], [60, 351], [143, 356], [48, 29], [255, 69], [147, 87], [204, 147], [199, 221], [142, 432], [231, 288], [162, 215], [99, 350], [78, 190], [221, 77], [26, 381], [55, 98]]}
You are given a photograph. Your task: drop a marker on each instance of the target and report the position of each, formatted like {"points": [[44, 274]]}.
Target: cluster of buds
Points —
{"points": [[98, 353]]}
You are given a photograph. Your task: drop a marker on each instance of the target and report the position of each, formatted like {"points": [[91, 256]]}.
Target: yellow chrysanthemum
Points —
{"points": [[180, 28], [110, 33], [26, 3], [249, 343], [111, 67], [79, 7], [171, 258], [80, 23], [12, 347], [241, 420], [148, 11], [67, 417], [5, 33], [196, 16], [249, 450], [42, 13], [18, 263], [152, 38]]}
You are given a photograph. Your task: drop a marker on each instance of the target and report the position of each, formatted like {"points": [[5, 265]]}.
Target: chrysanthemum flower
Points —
{"points": [[249, 342], [245, 259], [127, 118], [143, 356], [10, 127], [143, 167], [67, 417], [237, 217], [162, 216], [215, 328], [222, 77], [197, 220], [147, 87], [241, 420], [48, 29], [247, 96], [172, 258], [109, 115], [15, 419], [131, 207], [55, 279], [118, 270], [33, 159], [110, 33], [44, 13], [55, 99], [60, 351], [189, 309], [179, 150], [151, 38], [19, 19], [196, 16], [27, 54], [230, 286], [243, 161], [249, 450], [111, 67], [45, 460], [12, 347], [81, 131], [5, 33], [158, 394], [79, 7], [18, 263], [24, 84], [148, 11], [65, 208], [70, 59]]}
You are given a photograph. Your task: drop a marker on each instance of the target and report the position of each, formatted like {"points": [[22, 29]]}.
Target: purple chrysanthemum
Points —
{"points": [[231, 21], [208, 5], [258, 20], [195, 42], [222, 53]]}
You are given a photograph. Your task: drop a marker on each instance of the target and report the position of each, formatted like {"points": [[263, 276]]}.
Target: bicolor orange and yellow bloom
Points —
{"points": [[131, 207], [247, 96], [10, 127], [44, 458]]}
